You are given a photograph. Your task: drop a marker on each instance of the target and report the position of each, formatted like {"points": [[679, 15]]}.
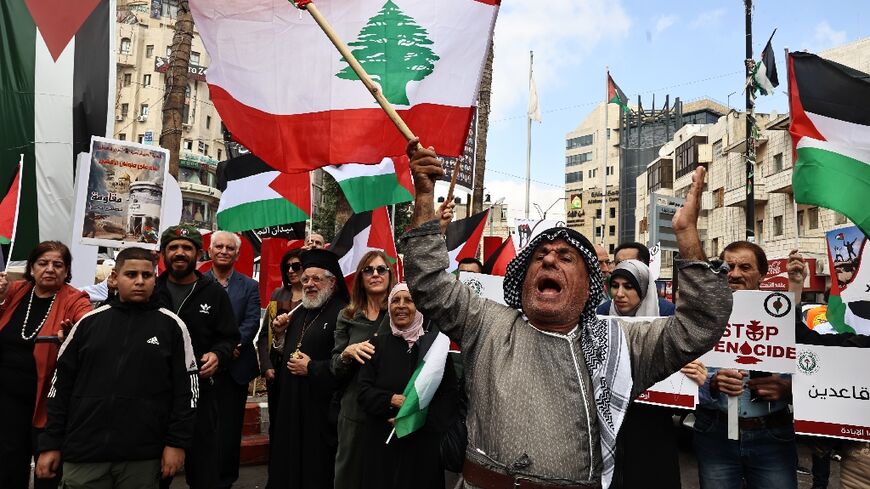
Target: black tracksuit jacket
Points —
{"points": [[126, 386]]}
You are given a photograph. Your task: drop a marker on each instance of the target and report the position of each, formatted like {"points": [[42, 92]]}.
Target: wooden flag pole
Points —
{"points": [[452, 181], [357, 68]]}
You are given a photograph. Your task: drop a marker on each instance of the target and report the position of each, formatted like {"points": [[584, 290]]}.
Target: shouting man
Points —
{"points": [[548, 382]]}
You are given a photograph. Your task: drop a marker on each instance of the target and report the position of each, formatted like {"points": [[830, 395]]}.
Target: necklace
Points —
{"points": [[24, 336], [297, 353]]}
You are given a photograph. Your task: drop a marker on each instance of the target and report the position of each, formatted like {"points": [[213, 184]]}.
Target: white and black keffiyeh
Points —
{"points": [[605, 349]]}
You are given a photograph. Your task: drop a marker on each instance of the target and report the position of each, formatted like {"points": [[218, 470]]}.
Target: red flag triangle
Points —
{"points": [[59, 20]]}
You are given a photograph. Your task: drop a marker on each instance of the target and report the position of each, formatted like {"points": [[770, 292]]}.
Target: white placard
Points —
{"points": [[486, 286], [759, 335], [831, 392]]}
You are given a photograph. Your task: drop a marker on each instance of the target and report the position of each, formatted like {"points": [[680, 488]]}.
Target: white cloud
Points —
{"points": [[560, 32], [826, 37], [514, 193], [664, 22], [706, 19]]}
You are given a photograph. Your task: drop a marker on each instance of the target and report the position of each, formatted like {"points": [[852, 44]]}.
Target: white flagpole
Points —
{"points": [[17, 207], [529, 139]]}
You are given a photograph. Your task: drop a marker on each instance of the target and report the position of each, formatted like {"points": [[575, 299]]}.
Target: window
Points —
{"points": [[598, 213], [149, 51], [125, 110], [574, 177], [146, 80], [613, 212], [140, 139], [168, 51], [201, 147], [719, 195], [208, 122], [122, 136], [777, 225], [611, 231], [593, 173], [579, 142], [128, 79], [611, 247], [609, 170], [759, 230], [597, 231], [800, 223], [577, 159], [194, 58], [608, 134], [126, 45], [717, 148], [205, 149], [660, 175], [188, 144], [143, 110], [813, 216], [686, 155], [714, 247], [219, 154], [776, 165], [839, 218]]}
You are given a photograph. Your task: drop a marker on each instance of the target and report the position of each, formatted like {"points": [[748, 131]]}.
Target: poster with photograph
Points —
{"points": [[527, 229], [124, 197], [849, 302]]}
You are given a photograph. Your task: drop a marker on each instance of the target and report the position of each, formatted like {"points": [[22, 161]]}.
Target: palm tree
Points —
{"points": [[483, 110], [176, 85]]}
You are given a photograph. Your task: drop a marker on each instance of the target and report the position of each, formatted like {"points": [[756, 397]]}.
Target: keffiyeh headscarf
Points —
{"points": [[637, 273], [414, 330], [605, 349]]}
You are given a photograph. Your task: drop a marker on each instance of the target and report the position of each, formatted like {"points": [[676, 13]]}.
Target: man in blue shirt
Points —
{"points": [[765, 455], [232, 383]]}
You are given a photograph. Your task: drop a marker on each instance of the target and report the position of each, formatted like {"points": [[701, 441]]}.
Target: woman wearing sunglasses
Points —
{"points": [[358, 323], [270, 341]]}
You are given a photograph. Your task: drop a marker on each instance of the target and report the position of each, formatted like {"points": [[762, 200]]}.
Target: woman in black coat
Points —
{"points": [[415, 459]]}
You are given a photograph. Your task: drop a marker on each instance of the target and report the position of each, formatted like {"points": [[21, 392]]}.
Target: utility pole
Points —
{"points": [[529, 139], [750, 139], [176, 85]]}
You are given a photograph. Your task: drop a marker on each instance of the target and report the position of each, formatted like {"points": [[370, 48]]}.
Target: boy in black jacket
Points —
{"points": [[122, 406]]}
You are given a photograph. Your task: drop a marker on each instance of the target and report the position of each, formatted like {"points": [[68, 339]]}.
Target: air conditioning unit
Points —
{"points": [[119, 118], [142, 118]]}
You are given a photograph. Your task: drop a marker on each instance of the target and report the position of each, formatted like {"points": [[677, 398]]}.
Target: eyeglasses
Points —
{"points": [[295, 266], [316, 280], [370, 270]]}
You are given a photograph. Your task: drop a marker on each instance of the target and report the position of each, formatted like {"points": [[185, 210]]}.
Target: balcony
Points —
{"points": [[779, 182], [200, 190], [737, 197]]}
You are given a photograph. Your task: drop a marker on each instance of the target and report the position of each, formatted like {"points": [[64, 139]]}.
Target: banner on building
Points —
{"points": [[849, 301], [124, 195], [487, 286], [831, 392], [759, 335]]}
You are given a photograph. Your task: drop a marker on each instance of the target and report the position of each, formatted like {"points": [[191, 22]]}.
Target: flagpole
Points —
{"points": [[356, 67], [604, 138], [529, 138], [750, 142], [17, 207], [797, 226]]}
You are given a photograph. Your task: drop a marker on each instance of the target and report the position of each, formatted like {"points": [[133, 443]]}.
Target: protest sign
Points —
{"points": [[124, 196], [527, 229], [759, 335], [831, 392], [676, 391], [849, 302], [487, 286]]}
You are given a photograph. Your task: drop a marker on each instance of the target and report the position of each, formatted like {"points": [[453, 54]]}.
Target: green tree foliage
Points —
{"points": [[393, 50]]}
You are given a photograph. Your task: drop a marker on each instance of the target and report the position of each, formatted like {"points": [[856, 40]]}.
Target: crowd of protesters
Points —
{"points": [[154, 379]]}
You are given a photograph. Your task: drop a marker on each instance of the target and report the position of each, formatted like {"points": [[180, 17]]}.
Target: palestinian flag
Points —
{"points": [[497, 263], [363, 232], [368, 187], [830, 128], [9, 208], [57, 72], [422, 387], [764, 77], [256, 195], [463, 238], [283, 90], [615, 94]]}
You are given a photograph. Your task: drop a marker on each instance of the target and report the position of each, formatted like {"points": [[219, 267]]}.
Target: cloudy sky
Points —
{"points": [[686, 48]]}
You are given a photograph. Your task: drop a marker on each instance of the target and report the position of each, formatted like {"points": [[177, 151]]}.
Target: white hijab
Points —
{"points": [[649, 297]]}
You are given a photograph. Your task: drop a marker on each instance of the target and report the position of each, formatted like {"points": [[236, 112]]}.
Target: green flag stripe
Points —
{"points": [[834, 181], [410, 417], [372, 191], [259, 214], [836, 315], [17, 128]]}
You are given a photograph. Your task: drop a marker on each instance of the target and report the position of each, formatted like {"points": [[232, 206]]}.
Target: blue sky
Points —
{"points": [[690, 49]]}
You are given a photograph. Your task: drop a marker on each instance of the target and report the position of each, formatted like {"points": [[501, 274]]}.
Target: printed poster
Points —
{"points": [[528, 229], [124, 195], [487, 286], [677, 391], [849, 302], [759, 335], [831, 392]]}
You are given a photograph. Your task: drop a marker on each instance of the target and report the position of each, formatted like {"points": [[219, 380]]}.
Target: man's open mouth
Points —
{"points": [[549, 286]]}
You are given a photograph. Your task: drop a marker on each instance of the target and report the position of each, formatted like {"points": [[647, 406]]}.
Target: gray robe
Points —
{"points": [[531, 403]]}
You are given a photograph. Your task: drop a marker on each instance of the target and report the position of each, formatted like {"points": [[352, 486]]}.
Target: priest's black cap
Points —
{"points": [[327, 260]]}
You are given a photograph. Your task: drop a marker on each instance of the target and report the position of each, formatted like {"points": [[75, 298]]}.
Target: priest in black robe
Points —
{"points": [[304, 440]]}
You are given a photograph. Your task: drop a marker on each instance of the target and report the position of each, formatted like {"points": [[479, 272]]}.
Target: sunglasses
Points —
{"points": [[295, 266], [370, 270]]}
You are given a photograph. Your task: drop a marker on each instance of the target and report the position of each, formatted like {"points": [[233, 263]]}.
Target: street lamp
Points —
{"points": [[544, 213]]}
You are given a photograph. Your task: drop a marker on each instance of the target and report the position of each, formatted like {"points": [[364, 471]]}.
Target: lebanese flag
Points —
{"points": [[57, 77], [283, 90], [463, 238], [256, 195], [830, 128], [9, 208], [368, 187], [362, 233], [497, 263]]}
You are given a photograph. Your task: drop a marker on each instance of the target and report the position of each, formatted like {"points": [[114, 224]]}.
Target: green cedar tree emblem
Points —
{"points": [[394, 50]]}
